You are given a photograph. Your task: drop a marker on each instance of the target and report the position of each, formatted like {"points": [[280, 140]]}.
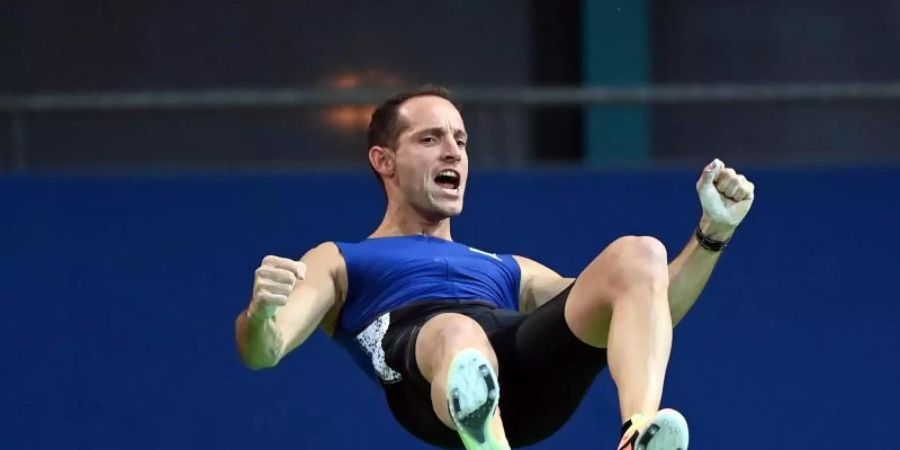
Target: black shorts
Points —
{"points": [[545, 370]]}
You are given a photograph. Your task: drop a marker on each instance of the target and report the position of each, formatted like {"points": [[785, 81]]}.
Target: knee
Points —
{"points": [[458, 332], [641, 260], [443, 336], [646, 249]]}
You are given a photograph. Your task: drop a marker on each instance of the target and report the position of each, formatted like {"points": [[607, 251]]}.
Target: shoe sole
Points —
{"points": [[473, 393], [667, 431]]}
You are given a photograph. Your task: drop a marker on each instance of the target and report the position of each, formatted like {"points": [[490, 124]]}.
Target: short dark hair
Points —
{"points": [[385, 126]]}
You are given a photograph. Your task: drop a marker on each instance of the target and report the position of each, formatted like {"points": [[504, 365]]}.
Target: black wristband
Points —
{"points": [[709, 243]]}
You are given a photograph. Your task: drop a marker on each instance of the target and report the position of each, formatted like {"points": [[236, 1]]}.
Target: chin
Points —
{"points": [[445, 211], [451, 210], [443, 208]]}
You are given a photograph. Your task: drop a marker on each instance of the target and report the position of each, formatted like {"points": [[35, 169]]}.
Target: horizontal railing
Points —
{"points": [[256, 99]]}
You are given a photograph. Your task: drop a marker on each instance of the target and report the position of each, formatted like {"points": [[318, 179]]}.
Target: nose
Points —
{"points": [[450, 151]]}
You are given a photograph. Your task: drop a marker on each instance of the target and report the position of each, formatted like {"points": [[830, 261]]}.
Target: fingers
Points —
{"points": [[751, 191], [274, 281], [265, 304], [263, 285], [727, 182], [270, 299], [744, 190], [275, 274], [297, 267], [711, 172], [733, 185], [279, 281]]}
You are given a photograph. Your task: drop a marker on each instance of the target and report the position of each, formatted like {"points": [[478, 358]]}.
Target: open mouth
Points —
{"points": [[448, 179]]}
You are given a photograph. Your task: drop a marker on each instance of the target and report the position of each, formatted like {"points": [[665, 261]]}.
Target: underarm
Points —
{"points": [[545, 290]]}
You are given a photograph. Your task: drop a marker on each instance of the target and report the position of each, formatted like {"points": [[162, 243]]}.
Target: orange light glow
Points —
{"points": [[355, 118], [349, 118], [346, 81]]}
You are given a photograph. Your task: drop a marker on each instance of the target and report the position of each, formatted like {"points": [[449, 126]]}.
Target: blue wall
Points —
{"points": [[119, 295]]}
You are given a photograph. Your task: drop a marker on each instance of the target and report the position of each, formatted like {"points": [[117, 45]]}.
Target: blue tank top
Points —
{"points": [[390, 272]]}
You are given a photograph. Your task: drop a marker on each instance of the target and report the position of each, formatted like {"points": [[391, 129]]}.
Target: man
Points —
{"points": [[444, 327]]}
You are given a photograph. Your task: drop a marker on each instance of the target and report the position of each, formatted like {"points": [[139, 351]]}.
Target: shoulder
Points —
{"points": [[325, 255], [327, 259], [326, 270], [529, 266]]}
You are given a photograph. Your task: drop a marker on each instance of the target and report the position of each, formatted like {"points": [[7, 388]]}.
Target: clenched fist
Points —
{"points": [[725, 195], [274, 281]]}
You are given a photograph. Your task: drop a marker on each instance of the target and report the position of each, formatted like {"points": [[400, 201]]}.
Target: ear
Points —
{"points": [[382, 160]]}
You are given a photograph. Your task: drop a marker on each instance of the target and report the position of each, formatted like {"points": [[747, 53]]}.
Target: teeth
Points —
{"points": [[448, 176]]}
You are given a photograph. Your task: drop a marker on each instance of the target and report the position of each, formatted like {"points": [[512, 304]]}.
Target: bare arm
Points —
{"points": [[262, 340], [690, 271], [688, 275], [538, 285], [726, 197]]}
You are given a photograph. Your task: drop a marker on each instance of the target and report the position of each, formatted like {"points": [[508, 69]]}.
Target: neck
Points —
{"points": [[404, 220]]}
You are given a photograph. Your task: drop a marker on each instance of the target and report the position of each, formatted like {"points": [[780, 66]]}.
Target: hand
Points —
{"points": [[274, 281], [726, 197]]}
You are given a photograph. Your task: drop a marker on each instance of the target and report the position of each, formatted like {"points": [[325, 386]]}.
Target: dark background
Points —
{"points": [[71, 46]]}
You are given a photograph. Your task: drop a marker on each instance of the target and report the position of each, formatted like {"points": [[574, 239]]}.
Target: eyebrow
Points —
{"points": [[457, 133]]}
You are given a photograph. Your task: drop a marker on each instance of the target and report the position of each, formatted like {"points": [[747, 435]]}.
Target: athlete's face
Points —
{"points": [[431, 161]]}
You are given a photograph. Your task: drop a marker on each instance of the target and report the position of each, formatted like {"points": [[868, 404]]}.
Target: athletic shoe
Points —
{"points": [[666, 431], [473, 394]]}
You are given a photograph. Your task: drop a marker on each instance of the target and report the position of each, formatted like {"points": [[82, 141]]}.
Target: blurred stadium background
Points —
{"points": [[152, 152]]}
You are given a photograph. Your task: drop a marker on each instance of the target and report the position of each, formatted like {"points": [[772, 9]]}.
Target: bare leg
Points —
{"points": [[440, 339], [619, 302]]}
